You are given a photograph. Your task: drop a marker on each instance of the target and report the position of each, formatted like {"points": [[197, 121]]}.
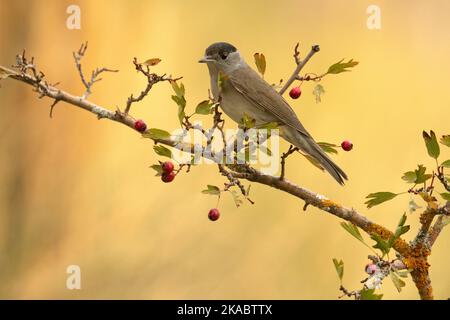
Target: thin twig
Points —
{"points": [[284, 156], [94, 74], [300, 65], [152, 78]]}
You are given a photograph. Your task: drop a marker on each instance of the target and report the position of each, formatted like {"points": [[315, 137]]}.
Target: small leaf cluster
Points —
{"points": [[419, 177]]}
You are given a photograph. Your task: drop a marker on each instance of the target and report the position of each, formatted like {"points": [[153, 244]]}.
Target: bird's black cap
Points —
{"points": [[220, 47]]}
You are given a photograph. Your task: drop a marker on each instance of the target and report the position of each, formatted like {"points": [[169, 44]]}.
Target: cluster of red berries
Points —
{"points": [[167, 172]]}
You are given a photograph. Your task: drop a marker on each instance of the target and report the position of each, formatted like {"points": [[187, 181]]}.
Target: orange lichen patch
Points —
{"points": [[399, 245], [427, 216], [414, 257], [417, 261], [422, 280], [374, 228], [402, 247], [328, 203]]}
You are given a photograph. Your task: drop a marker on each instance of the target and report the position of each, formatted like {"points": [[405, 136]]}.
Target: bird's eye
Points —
{"points": [[223, 55]]}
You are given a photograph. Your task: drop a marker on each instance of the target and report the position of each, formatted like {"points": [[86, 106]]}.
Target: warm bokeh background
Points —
{"points": [[74, 190]]}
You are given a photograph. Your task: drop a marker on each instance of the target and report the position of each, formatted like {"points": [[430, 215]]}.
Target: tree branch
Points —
{"points": [[248, 173], [414, 256], [442, 179], [300, 65], [440, 223]]}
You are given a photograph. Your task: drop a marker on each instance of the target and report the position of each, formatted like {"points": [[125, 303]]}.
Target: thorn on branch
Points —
{"points": [[297, 54], [306, 206], [55, 102]]}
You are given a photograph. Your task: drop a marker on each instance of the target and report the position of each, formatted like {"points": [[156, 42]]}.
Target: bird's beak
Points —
{"points": [[206, 59]]}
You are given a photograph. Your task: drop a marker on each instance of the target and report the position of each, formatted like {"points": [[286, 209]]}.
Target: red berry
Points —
{"points": [[168, 177], [213, 214], [371, 268], [347, 145], [140, 126], [167, 167], [295, 92]]}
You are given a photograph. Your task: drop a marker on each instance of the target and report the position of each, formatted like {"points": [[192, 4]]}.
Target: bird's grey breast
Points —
{"points": [[234, 102]]}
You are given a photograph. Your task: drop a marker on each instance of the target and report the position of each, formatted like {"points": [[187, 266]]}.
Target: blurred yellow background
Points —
{"points": [[75, 190]]}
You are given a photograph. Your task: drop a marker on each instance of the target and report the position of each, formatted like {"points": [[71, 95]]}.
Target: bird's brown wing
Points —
{"points": [[264, 96]]}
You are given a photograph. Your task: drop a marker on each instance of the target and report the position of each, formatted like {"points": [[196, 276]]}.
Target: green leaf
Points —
{"points": [[181, 102], [369, 294], [409, 177], [260, 61], [318, 92], [421, 177], [353, 230], [221, 80], [157, 168], [247, 121], [247, 192], [427, 197], [402, 273], [431, 143], [339, 265], [413, 206], [151, 62], [204, 107], [445, 196], [402, 220], [265, 149], [236, 198], [156, 134], [268, 125], [378, 198], [446, 164], [162, 151], [445, 140], [212, 190], [381, 244], [341, 66], [398, 283], [401, 229], [328, 147], [178, 89]]}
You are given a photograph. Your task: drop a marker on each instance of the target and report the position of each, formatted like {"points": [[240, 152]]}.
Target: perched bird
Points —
{"points": [[243, 91]]}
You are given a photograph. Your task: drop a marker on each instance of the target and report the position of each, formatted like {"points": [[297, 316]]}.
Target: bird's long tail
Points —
{"points": [[307, 145]]}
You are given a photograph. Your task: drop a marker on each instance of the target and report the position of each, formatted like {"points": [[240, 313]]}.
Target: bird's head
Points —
{"points": [[222, 55]]}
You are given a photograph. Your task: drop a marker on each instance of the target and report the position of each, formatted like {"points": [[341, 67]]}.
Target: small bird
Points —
{"points": [[243, 91]]}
